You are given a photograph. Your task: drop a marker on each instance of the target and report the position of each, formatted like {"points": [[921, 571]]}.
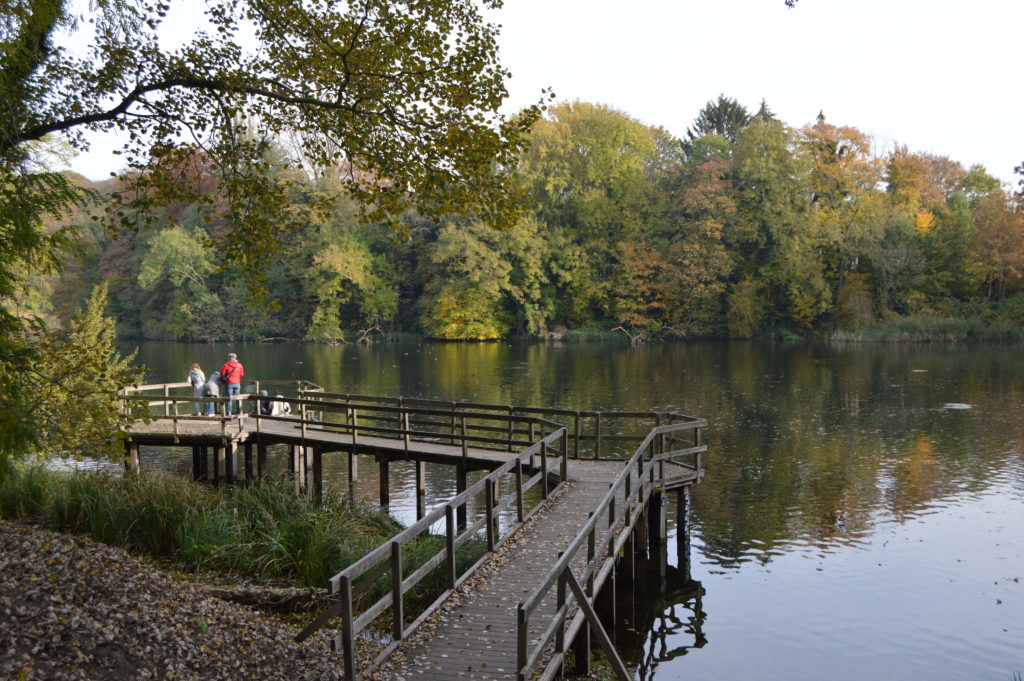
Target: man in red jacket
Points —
{"points": [[232, 373]]}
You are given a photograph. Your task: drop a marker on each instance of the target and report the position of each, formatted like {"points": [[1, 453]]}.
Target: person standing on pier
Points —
{"points": [[232, 373], [212, 389], [197, 378]]}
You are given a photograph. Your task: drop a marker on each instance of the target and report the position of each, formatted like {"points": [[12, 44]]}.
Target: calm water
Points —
{"points": [[851, 524]]}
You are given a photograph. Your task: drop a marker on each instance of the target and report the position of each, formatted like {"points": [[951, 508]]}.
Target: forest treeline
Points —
{"points": [[745, 228]]}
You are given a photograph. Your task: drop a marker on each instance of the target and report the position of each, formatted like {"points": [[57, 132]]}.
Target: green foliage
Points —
{"points": [[774, 230], [747, 309], [264, 531], [724, 117], [64, 399], [373, 85]]}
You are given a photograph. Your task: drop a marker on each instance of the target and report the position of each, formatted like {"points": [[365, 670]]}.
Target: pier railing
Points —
{"points": [[592, 434], [582, 568], [668, 447], [348, 585]]}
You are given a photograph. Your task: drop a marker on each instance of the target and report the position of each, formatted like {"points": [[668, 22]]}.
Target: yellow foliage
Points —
{"points": [[923, 222]]}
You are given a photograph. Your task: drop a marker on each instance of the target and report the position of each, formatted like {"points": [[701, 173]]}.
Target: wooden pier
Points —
{"points": [[602, 480]]}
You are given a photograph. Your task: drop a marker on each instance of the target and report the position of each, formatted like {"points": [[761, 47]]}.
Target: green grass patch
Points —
{"points": [[264, 532], [589, 335], [936, 330]]}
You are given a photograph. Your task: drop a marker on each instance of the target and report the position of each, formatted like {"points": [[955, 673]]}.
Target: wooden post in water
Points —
{"points": [[131, 457], [656, 518], [218, 463], [261, 459], [229, 462], [641, 542], [248, 461], [683, 530], [460, 487], [421, 489], [200, 463], [385, 487], [318, 473], [298, 467]]}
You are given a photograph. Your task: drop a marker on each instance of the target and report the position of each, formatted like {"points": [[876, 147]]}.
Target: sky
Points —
{"points": [[939, 76]]}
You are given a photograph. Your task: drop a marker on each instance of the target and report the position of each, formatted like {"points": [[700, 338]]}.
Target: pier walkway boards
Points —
{"points": [[568, 498]]}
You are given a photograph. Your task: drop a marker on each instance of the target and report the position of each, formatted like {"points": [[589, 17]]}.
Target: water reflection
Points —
{"points": [[850, 524]]}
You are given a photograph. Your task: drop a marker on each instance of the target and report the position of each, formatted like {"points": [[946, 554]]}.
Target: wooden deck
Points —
{"points": [[514, 614], [476, 636], [290, 431]]}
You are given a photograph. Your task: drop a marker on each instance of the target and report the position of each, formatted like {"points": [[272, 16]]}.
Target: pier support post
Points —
{"points": [[683, 531], [421, 489], [641, 544], [353, 468], [218, 463], [460, 487], [298, 467], [203, 471], [656, 519], [318, 473], [581, 651], [629, 556], [261, 459], [230, 453], [385, 487], [230, 463], [248, 461], [131, 457], [196, 454]]}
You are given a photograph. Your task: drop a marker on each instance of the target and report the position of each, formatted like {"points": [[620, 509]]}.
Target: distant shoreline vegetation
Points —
{"points": [[899, 330], [746, 228]]}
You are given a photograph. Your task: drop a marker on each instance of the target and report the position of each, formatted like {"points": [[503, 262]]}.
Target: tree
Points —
{"points": [[402, 96], [700, 203], [591, 171], [65, 402], [997, 256], [723, 116]]}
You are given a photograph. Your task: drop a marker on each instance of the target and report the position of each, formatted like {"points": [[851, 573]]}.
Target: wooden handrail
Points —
{"points": [[589, 429], [484, 426], [648, 462], [372, 565]]}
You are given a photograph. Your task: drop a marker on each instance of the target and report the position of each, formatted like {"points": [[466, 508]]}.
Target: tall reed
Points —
{"points": [[261, 532]]}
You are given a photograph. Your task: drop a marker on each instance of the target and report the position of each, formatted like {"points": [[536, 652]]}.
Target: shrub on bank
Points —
{"points": [[261, 532]]}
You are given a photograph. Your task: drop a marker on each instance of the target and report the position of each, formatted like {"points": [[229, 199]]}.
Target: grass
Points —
{"points": [[935, 330], [264, 532], [587, 335]]}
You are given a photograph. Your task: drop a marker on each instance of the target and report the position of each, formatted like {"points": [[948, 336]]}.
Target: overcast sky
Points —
{"points": [[941, 76]]}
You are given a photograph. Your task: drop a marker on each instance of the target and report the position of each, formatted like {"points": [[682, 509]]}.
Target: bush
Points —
{"points": [[264, 531], [590, 335]]}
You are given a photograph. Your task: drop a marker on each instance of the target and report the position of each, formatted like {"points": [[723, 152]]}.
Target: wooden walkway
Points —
{"points": [[476, 636], [514, 614]]}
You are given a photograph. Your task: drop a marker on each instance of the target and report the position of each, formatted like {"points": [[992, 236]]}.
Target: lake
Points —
{"points": [[862, 515]]}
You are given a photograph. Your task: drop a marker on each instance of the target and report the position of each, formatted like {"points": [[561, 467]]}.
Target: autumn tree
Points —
{"points": [[403, 96], [700, 203], [591, 171], [997, 257]]}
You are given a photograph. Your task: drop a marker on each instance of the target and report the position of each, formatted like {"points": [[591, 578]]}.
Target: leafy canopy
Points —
{"points": [[400, 96]]}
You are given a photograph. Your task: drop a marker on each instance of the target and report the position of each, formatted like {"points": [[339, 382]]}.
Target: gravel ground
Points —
{"points": [[74, 609]]}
